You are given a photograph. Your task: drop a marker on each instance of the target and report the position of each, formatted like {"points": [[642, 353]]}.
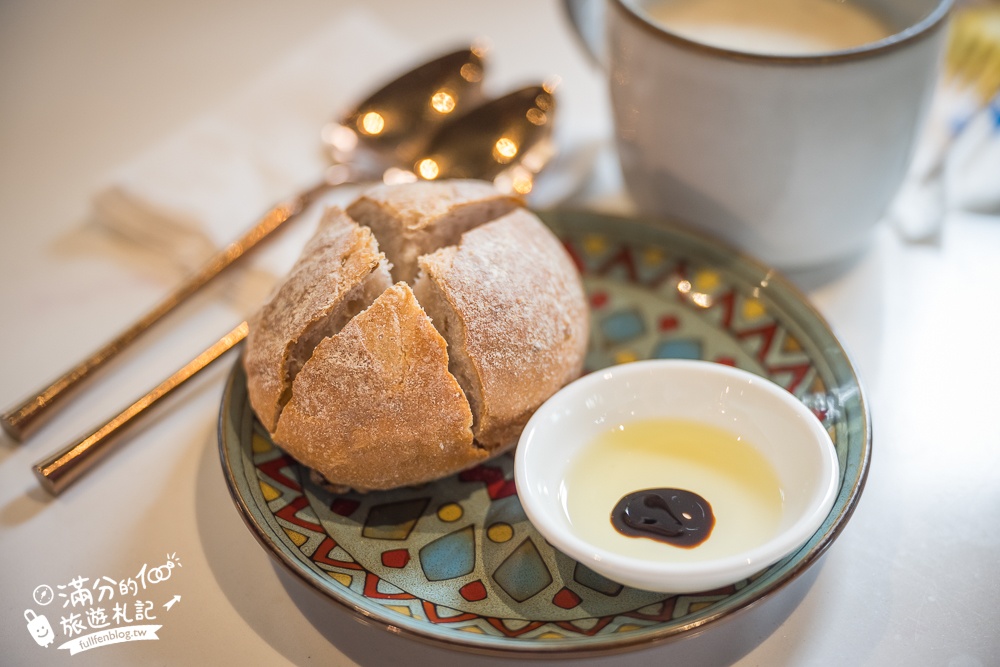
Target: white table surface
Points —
{"points": [[86, 86]]}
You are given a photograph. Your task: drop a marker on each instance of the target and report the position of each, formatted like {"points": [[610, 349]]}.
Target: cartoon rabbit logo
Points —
{"points": [[39, 628]]}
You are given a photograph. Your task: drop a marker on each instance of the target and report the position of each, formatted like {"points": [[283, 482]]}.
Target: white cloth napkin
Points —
{"points": [[201, 188]]}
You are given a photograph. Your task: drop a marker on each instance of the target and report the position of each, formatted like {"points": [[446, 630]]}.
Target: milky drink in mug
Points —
{"points": [[785, 27], [783, 127]]}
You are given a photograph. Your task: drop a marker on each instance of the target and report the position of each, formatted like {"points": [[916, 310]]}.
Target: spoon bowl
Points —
{"points": [[393, 125], [506, 140]]}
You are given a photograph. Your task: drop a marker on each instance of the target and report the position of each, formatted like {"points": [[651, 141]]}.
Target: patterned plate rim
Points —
{"points": [[712, 253]]}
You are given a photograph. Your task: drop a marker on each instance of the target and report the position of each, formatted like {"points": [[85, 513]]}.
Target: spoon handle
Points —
{"points": [[29, 415], [62, 468]]}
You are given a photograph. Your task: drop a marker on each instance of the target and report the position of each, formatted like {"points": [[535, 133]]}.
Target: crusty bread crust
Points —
{"points": [[511, 305], [376, 405], [338, 266], [413, 219], [377, 386]]}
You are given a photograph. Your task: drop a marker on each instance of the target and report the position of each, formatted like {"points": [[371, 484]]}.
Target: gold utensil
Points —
{"points": [[391, 126], [507, 140], [59, 470]]}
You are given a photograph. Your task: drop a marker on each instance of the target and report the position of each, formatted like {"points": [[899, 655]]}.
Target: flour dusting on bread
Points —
{"points": [[367, 396], [340, 270], [508, 280], [409, 223], [416, 335]]}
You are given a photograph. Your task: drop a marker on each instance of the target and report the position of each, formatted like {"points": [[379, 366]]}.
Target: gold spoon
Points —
{"points": [[505, 138], [507, 141], [402, 114]]}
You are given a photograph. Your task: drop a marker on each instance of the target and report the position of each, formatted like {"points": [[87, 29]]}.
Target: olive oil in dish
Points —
{"points": [[727, 472]]}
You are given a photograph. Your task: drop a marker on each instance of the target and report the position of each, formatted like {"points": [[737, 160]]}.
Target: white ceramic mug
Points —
{"points": [[793, 158]]}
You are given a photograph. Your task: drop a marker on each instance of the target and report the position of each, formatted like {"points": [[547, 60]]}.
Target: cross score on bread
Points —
{"points": [[415, 335]]}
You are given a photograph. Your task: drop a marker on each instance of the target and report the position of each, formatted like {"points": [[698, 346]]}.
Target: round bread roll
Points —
{"points": [[416, 334]]}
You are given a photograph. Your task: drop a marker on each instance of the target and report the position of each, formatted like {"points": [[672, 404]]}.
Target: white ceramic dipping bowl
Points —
{"points": [[783, 430]]}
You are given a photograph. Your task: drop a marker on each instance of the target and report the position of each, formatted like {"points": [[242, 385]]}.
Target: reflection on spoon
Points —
{"points": [[394, 124], [396, 120], [506, 140]]}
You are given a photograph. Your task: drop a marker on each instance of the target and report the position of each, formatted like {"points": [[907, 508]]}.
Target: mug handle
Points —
{"points": [[587, 19]]}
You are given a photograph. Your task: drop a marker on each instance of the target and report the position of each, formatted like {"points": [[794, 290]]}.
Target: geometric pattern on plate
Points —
{"points": [[457, 561]]}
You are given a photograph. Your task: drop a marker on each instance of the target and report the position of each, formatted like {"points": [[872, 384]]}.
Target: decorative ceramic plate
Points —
{"points": [[458, 563]]}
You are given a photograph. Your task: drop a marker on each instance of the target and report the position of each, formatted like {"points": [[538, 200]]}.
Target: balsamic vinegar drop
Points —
{"points": [[727, 472]]}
